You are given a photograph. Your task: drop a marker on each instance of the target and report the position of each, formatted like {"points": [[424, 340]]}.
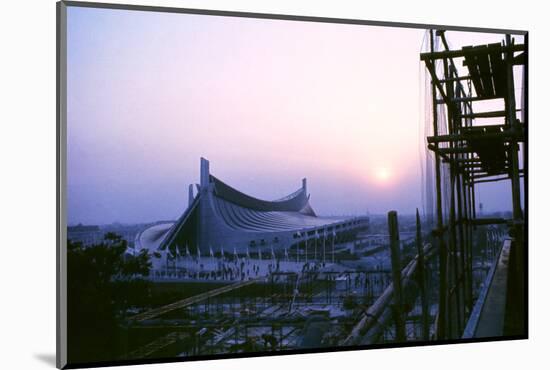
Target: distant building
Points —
{"points": [[86, 234], [221, 217]]}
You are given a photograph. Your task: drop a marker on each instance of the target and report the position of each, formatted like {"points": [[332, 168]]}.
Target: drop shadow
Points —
{"points": [[47, 358]]}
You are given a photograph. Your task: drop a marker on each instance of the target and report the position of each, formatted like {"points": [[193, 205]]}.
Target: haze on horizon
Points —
{"points": [[268, 102]]}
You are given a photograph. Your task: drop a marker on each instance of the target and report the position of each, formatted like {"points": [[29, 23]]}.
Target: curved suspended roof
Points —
{"points": [[295, 202], [222, 215], [242, 218]]}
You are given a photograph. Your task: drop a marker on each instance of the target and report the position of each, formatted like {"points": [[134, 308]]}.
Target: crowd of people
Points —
{"points": [[237, 268], [217, 269]]}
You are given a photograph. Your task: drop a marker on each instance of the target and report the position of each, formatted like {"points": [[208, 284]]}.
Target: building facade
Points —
{"points": [[221, 218]]}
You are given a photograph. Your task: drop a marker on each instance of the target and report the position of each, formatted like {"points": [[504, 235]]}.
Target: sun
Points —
{"points": [[383, 174]]}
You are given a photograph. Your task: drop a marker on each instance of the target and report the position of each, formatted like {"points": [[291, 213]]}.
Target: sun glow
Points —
{"points": [[383, 175]]}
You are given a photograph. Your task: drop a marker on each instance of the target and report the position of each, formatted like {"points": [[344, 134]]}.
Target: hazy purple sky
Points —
{"points": [[266, 101]]}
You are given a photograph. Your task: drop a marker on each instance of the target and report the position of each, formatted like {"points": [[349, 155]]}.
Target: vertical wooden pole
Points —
{"points": [[470, 212], [422, 281], [455, 287], [518, 252], [462, 242], [512, 122], [393, 229], [468, 246], [442, 315]]}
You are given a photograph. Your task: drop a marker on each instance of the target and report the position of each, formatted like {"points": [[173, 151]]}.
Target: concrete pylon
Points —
{"points": [[205, 214], [205, 173], [190, 196]]}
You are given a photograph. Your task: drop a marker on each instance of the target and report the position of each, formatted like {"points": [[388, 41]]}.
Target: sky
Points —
{"points": [[268, 102]]}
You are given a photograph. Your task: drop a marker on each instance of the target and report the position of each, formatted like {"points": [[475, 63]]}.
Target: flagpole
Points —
{"points": [[315, 246], [187, 257], [324, 241], [177, 256], [298, 247], [306, 249], [333, 239]]}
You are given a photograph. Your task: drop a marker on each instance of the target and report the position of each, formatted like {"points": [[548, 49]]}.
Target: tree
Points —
{"points": [[102, 284]]}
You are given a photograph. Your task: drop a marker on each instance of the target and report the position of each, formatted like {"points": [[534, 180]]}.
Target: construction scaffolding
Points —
{"points": [[467, 152]]}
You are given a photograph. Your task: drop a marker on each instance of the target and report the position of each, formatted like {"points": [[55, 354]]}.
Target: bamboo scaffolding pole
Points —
{"points": [[379, 314], [422, 281], [431, 56], [442, 312], [399, 321]]}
